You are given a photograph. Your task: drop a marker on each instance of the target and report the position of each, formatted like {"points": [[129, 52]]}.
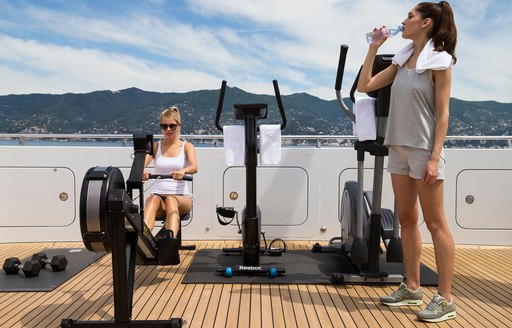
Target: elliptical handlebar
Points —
{"points": [[339, 79], [341, 66], [280, 104], [219, 105], [186, 177], [354, 86], [221, 102]]}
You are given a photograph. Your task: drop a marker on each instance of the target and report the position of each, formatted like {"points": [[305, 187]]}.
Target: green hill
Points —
{"points": [[134, 110]]}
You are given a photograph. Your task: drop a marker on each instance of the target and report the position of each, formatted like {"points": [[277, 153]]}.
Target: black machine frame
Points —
{"points": [[251, 215], [111, 222]]}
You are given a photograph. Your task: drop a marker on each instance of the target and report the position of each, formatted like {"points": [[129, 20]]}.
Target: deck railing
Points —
{"points": [[287, 140]]}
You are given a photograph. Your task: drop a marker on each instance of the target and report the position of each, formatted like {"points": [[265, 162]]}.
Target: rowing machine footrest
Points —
{"points": [[168, 251]]}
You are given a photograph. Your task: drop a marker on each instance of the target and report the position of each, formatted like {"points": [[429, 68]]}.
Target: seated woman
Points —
{"points": [[171, 197]]}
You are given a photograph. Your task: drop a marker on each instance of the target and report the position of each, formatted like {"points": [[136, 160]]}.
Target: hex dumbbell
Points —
{"points": [[58, 262], [30, 268]]}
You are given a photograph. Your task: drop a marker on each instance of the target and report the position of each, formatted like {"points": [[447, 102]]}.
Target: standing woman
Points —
{"points": [[170, 196], [416, 130]]}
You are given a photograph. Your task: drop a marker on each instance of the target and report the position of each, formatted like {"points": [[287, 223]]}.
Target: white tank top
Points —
{"points": [[166, 165]]}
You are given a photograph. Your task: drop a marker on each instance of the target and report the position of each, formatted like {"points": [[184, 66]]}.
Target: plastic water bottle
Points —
{"points": [[388, 31]]}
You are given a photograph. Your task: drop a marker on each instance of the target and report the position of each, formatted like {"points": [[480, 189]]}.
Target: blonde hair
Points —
{"points": [[172, 112]]}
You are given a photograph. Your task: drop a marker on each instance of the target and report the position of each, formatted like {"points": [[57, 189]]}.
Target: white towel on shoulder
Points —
{"points": [[234, 144], [365, 127], [428, 58], [270, 143]]}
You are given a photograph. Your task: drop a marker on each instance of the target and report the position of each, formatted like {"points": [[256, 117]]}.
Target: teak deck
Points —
{"points": [[482, 287]]}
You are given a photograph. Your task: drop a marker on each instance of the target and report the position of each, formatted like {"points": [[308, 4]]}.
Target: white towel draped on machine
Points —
{"points": [[270, 144], [234, 144], [365, 127]]}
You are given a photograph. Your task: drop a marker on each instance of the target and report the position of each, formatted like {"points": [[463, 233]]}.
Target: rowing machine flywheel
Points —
{"points": [[94, 216]]}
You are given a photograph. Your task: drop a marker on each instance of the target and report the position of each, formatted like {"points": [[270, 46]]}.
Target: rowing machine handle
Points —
{"points": [[186, 177], [280, 104]]}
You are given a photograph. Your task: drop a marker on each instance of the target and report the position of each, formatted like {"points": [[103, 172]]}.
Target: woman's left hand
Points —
{"points": [[431, 172], [178, 175]]}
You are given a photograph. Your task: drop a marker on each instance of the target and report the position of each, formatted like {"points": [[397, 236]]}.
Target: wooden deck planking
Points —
{"points": [[482, 288], [211, 306], [485, 284], [298, 306], [288, 310], [46, 301], [476, 282], [256, 313]]}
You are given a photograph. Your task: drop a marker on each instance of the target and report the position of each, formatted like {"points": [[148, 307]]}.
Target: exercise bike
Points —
{"points": [[111, 222], [251, 214], [363, 222]]}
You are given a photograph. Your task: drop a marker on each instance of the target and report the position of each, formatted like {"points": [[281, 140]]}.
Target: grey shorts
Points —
{"points": [[411, 161]]}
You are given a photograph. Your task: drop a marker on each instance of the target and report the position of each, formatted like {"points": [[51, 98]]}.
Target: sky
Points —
{"points": [[80, 46]]}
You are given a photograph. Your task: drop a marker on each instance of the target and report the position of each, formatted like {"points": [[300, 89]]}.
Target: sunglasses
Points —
{"points": [[171, 126]]}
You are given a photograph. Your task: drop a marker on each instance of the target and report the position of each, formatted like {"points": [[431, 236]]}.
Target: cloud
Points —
{"points": [[176, 45], [48, 68]]}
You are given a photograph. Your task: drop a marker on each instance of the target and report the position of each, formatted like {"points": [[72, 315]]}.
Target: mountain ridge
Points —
{"points": [[133, 110]]}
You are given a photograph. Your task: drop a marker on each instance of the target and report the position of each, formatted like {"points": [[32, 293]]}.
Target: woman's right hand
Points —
{"points": [[145, 176], [377, 44]]}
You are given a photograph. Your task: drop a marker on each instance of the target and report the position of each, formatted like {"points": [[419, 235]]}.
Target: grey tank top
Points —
{"points": [[412, 115]]}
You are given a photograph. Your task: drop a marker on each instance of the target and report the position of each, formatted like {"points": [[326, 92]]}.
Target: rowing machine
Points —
{"points": [[111, 222]]}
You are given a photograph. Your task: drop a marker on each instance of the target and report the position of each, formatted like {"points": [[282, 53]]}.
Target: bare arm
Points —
{"points": [[192, 167], [442, 83], [367, 82], [190, 152]]}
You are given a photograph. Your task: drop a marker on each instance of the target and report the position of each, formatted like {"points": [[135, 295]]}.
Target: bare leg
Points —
{"points": [[406, 197], [176, 205], [432, 205], [153, 206]]}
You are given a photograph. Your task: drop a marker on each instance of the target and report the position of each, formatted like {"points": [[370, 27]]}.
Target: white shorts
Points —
{"points": [[411, 161]]}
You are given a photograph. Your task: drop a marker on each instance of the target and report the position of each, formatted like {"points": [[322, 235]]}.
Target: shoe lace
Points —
{"points": [[436, 302], [399, 291]]}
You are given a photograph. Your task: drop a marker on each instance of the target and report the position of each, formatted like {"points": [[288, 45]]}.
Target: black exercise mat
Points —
{"points": [[302, 267], [47, 280]]}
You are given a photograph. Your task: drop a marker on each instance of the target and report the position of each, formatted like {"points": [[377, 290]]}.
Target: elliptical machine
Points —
{"points": [[363, 221], [251, 215]]}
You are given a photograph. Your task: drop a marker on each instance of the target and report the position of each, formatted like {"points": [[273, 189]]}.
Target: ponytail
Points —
{"points": [[443, 32]]}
